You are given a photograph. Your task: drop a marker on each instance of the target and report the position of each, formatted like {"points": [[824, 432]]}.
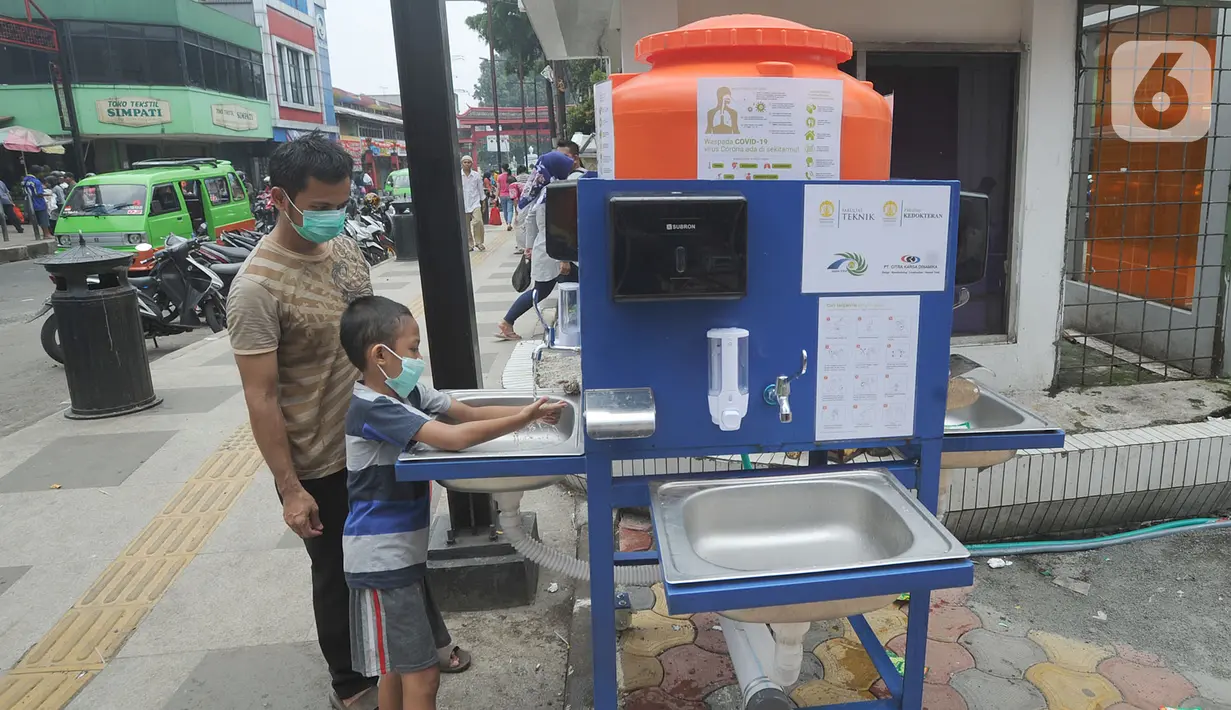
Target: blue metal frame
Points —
{"points": [[782, 321], [624, 338]]}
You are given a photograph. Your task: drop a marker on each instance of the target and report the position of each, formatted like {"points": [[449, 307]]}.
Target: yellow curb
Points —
{"points": [[90, 634]]}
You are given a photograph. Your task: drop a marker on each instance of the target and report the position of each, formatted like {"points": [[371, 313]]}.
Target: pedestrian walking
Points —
{"points": [[516, 188], [283, 314], [6, 205], [503, 180], [472, 202], [39, 219], [544, 270]]}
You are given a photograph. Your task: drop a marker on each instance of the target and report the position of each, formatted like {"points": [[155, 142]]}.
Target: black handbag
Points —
{"points": [[521, 276]]}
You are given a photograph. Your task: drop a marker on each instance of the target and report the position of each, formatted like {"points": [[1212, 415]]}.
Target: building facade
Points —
{"points": [[151, 78], [371, 131], [296, 51]]}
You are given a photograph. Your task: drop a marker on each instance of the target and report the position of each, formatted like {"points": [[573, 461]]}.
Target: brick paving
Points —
{"points": [[978, 659]]}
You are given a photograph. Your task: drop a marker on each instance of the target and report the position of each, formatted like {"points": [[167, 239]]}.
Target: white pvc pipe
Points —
{"points": [[751, 648], [788, 651]]}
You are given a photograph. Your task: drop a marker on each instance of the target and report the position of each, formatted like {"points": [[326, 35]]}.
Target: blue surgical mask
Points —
{"points": [[406, 380], [319, 226]]}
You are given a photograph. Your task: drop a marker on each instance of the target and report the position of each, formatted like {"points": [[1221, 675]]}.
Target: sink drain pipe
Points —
{"points": [[555, 560], [750, 646]]}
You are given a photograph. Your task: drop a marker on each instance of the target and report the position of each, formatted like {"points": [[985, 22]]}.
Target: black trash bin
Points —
{"points": [[100, 331], [405, 236]]}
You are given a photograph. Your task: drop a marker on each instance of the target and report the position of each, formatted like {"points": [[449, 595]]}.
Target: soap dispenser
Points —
{"points": [[728, 390]]}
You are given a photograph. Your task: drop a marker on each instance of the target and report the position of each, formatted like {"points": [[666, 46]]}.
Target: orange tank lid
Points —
{"points": [[744, 31]]}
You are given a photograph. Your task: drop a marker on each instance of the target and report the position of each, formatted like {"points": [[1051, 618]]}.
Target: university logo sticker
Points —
{"points": [[853, 263]]}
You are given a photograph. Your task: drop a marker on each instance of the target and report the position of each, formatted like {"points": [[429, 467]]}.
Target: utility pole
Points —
{"points": [[491, 60], [558, 71], [525, 139], [425, 78]]}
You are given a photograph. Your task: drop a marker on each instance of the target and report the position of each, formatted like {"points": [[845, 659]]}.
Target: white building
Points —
{"points": [[989, 92]]}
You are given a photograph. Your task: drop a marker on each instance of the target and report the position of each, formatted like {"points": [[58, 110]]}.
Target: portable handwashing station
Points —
{"points": [[775, 305]]}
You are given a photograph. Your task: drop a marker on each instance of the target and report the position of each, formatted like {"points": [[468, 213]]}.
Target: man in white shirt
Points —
{"points": [[472, 201]]}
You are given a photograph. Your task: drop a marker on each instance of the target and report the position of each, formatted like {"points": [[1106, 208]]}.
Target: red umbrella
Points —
{"points": [[26, 140]]}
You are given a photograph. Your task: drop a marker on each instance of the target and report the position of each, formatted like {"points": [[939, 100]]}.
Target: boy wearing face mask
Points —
{"points": [[396, 630], [283, 312]]}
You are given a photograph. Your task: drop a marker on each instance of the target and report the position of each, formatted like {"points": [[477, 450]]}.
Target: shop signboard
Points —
{"points": [[234, 117], [133, 111], [354, 146], [504, 143]]}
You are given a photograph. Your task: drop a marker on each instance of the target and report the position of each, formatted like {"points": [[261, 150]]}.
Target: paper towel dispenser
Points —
{"points": [[668, 246]]}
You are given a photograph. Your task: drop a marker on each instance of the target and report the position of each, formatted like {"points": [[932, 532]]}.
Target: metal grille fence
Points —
{"points": [[1144, 290]]}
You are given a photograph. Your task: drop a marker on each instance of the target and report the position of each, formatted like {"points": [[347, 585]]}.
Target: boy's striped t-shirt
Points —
{"points": [[384, 541]]}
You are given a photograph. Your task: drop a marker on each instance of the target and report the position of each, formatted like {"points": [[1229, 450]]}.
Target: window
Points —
{"points": [[23, 66], [102, 200], [237, 188], [165, 200], [114, 53], [367, 130], [296, 77], [163, 62], [216, 188]]}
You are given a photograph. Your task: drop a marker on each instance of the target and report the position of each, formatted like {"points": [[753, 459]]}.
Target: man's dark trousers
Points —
{"points": [[330, 595]]}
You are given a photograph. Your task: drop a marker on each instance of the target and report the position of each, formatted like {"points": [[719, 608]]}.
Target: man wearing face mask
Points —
{"points": [[283, 313]]}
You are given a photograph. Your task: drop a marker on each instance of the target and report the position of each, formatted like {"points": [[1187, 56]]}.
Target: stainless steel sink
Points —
{"points": [[737, 529], [990, 414], [564, 438]]}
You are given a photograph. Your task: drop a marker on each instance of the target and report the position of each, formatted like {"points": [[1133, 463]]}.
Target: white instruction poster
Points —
{"points": [[604, 126], [768, 128], [866, 358], [875, 238]]}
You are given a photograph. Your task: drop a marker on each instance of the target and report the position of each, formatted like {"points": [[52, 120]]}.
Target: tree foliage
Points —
{"points": [[506, 84], [514, 41], [583, 74]]}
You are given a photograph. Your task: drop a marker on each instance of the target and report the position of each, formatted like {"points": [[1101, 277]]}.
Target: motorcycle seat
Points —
{"points": [[225, 269], [140, 281], [235, 253]]}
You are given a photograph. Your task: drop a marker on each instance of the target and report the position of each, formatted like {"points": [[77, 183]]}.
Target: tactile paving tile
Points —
{"points": [[89, 635], [134, 580], [84, 638], [36, 691]]}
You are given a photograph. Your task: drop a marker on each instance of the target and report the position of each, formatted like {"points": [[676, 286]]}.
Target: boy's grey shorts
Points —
{"points": [[395, 630]]}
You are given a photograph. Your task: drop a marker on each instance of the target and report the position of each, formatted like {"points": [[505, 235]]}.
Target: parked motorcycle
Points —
{"points": [[180, 294]]}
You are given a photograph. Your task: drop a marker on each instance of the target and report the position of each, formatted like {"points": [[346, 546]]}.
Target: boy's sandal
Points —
{"points": [[458, 662], [507, 336]]}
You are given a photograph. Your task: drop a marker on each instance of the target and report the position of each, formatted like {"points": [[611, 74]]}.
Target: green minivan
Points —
{"points": [[397, 185], [154, 199]]}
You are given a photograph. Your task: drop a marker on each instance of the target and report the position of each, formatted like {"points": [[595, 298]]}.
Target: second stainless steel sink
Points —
{"points": [[737, 529], [991, 413]]}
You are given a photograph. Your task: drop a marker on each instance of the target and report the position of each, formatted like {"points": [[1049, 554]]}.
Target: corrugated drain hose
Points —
{"points": [[555, 560]]}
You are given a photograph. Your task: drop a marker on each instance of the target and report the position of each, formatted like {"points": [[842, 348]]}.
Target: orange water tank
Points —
{"points": [[658, 115]]}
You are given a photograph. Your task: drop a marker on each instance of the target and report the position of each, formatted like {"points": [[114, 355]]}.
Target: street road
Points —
{"points": [[31, 384]]}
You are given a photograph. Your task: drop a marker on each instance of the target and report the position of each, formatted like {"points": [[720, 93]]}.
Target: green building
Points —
{"points": [[150, 78]]}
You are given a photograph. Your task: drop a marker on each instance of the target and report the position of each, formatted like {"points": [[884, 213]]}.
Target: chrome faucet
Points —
{"points": [[550, 342], [780, 392]]}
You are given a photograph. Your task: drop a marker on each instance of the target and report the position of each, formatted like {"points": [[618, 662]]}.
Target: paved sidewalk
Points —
{"points": [[1014, 641], [145, 565], [20, 247]]}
